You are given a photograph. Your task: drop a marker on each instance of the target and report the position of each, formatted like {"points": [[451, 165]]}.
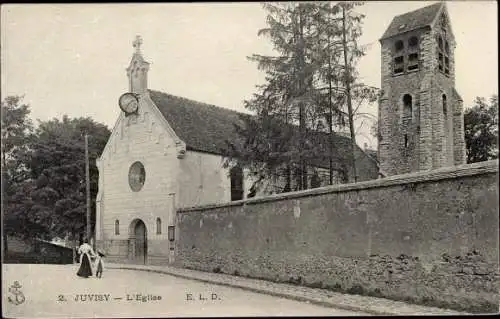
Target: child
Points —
{"points": [[99, 263]]}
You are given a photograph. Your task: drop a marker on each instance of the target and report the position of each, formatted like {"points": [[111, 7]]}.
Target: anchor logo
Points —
{"points": [[18, 294]]}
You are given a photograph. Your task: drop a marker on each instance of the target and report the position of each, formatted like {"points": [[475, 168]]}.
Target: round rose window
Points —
{"points": [[136, 176]]}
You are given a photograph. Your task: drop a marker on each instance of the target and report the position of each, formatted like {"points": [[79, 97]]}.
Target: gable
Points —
{"points": [[148, 125], [441, 20]]}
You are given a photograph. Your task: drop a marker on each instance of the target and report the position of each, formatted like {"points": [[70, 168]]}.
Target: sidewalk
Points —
{"points": [[370, 305]]}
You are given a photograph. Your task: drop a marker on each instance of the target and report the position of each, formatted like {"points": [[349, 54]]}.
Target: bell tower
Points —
{"points": [[137, 71], [420, 112]]}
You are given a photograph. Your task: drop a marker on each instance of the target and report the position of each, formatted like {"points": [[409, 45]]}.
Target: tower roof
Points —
{"points": [[413, 20]]}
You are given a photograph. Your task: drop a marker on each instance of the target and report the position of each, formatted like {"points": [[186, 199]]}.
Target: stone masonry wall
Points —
{"points": [[443, 123], [433, 139], [427, 237], [458, 134], [395, 158]]}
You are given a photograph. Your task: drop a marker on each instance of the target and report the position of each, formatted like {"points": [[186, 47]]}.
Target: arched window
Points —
{"points": [[398, 45], [399, 57], [446, 58], [399, 64], [443, 55], [117, 227], [158, 225], [413, 61], [413, 54], [440, 43], [407, 107], [236, 176], [413, 42]]}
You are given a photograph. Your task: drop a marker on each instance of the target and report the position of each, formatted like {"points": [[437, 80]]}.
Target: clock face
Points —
{"points": [[128, 103]]}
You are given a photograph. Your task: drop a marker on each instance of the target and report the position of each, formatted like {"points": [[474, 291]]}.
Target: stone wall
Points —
{"points": [[428, 237], [36, 251]]}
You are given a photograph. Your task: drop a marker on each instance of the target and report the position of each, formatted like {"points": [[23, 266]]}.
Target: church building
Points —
{"points": [[421, 125], [167, 152]]}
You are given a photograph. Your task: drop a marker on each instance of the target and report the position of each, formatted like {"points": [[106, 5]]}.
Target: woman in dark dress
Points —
{"points": [[85, 251]]}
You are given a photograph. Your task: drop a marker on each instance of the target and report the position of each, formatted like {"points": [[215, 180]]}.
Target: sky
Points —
{"points": [[71, 58]]}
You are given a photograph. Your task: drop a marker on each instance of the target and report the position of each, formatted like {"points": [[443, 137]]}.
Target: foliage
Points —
{"points": [[305, 90], [48, 199], [17, 131], [287, 107], [57, 164], [481, 130]]}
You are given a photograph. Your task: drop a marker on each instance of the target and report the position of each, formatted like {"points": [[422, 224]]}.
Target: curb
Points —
{"points": [[330, 304]]}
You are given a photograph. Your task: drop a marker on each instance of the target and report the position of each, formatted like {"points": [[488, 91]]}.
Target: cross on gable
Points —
{"points": [[137, 44]]}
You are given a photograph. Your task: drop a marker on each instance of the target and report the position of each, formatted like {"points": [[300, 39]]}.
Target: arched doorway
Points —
{"points": [[138, 241]]}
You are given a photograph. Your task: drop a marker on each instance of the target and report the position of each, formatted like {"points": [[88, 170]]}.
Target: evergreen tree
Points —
{"points": [[288, 97], [330, 92], [310, 86], [351, 93]]}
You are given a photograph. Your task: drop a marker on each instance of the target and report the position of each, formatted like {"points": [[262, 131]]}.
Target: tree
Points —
{"points": [[57, 163], [51, 200], [287, 99], [17, 130], [351, 89], [16, 133], [481, 130], [329, 54], [308, 85]]}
